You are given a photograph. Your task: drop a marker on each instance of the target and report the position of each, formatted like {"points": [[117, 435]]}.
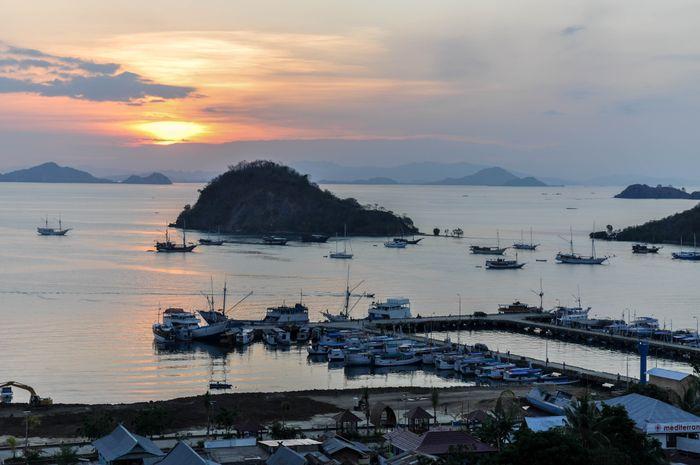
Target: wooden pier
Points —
{"points": [[535, 324]]}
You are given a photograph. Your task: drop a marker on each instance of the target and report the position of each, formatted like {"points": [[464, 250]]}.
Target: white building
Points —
{"points": [[672, 427]]}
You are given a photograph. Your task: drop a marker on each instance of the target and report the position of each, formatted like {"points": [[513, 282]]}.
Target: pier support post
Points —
{"points": [[643, 352]]}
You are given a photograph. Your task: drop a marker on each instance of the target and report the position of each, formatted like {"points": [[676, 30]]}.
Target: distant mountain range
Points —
{"points": [[52, 173], [494, 176]]}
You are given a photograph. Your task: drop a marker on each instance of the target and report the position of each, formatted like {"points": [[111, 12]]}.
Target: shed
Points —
{"points": [[346, 422], [382, 416], [418, 419], [673, 381], [124, 447]]}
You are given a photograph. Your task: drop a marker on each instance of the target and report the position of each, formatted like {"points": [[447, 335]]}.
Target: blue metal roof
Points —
{"points": [[121, 442]]}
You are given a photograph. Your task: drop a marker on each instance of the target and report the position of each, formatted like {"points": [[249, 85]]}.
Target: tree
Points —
{"points": [[553, 447], [436, 231], [11, 442], [585, 421], [32, 455], [497, 429], [66, 455], [225, 420], [285, 407], [281, 431], [435, 402], [151, 421], [97, 425]]}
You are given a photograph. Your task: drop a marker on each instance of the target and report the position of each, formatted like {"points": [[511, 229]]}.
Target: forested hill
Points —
{"points": [[673, 228], [263, 197]]}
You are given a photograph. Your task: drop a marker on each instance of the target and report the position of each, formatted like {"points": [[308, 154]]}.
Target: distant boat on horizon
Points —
{"points": [[522, 245], [49, 231]]}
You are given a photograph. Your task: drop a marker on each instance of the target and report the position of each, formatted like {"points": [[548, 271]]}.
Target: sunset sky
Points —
{"points": [[550, 87]]}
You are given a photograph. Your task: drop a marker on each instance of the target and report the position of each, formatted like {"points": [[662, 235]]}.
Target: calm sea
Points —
{"points": [[76, 311]]}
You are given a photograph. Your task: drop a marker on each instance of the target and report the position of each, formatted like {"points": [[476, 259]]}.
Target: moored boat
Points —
{"points": [[503, 264], [392, 309], [275, 240], [394, 244], [397, 359], [645, 248], [168, 246], [46, 230]]}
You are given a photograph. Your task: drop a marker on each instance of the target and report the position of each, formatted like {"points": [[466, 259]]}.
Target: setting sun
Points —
{"points": [[171, 132]]}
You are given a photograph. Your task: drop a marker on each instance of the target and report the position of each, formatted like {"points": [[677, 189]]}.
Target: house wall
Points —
{"points": [[677, 387]]}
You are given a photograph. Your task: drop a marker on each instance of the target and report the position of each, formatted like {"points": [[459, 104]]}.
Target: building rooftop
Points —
{"points": [[652, 415], [289, 442], [539, 424], [286, 456], [121, 442], [182, 454], [668, 374], [418, 413], [435, 442]]}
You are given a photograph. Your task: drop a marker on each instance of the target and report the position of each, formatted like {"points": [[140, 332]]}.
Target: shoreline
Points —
{"points": [[187, 413]]}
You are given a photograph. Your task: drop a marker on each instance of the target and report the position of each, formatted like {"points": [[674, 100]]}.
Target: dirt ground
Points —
{"points": [[186, 413]]}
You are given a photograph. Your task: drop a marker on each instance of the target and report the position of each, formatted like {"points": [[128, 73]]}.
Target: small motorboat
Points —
{"points": [[397, 359], [220, 385], [206, 241], [318, 238], [503, 264], [644, 248], [394, 244], [408, 241], [336, 355], [275, 240]]}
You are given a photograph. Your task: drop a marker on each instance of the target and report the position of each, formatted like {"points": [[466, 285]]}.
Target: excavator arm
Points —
{"points": [[34, 399]]}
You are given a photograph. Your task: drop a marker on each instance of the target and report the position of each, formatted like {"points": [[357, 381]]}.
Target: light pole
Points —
{"points": [[459, 323], [26, 434]]}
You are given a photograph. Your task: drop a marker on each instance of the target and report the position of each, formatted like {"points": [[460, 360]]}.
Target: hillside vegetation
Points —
{"points": [[263, 197], [670, 229]]}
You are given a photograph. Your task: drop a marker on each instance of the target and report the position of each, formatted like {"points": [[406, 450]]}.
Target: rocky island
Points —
{"points": [[643, 191], [153, 178], [263, 197]]}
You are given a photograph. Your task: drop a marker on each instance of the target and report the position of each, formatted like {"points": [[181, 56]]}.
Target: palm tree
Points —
{"points": [[66, 455], [435, 402], [11, 442], [584, 420], [499, 427]]}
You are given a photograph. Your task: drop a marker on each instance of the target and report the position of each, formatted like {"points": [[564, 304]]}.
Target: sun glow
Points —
{"points": [[171, 132]]}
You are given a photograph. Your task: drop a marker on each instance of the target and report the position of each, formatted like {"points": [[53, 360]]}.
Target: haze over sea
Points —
{"points": [[77, 311]]}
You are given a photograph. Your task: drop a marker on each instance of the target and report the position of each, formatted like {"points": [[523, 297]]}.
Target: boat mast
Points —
{"points": [[345, 238], [184, 233], [571, 239], [346, 305], [223, 308], [531, 242]]}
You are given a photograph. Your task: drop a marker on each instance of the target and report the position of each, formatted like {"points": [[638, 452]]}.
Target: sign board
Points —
{"points": [[664, 428]]}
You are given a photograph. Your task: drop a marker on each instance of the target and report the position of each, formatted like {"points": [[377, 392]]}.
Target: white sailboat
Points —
{"points": [[344, 314], [344, 255]]}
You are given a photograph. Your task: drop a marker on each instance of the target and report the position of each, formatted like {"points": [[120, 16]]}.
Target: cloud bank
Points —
{"points": [[25, 70]]}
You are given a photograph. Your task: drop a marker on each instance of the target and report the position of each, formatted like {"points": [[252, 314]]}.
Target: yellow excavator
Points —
{"points": [[34, 399]]}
